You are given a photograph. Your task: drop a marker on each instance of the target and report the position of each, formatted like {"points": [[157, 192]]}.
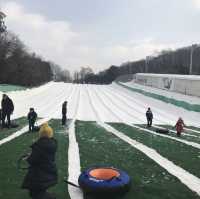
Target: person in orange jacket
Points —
{"points": [[179, 126]]}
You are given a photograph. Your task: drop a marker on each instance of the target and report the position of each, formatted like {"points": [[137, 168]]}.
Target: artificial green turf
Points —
{"points": [[8, 88], [182, 137], [11, 178], [149, 180], [5, 132], [61, 135], [181, 154]]}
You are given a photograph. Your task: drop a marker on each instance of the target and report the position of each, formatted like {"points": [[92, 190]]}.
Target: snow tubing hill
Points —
{"points": [[104, 181]]}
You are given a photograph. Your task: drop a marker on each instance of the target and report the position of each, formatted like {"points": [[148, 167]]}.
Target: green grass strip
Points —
{"points": [[181, 154], [149, 180], [179, 103], [172, 134], [11, 178], [7, 88], [5, 132]]}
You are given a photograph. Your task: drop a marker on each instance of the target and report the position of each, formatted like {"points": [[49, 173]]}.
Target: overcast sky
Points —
{"points": [[100, 33]]}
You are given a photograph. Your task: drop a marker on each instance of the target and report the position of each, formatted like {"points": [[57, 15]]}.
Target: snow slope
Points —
{"points": [[105, 103], [114, 104]]}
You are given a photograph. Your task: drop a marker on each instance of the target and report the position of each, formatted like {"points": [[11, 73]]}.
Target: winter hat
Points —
{"points": [[46, 131]]}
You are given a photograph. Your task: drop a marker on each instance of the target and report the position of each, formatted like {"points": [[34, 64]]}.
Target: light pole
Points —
{"points": [[193, 47]]}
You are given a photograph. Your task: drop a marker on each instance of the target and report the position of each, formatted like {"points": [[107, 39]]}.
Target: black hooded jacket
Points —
{"points": [[64, 108], [32, 116], [7, 106], [42, 172], [149, 115]]}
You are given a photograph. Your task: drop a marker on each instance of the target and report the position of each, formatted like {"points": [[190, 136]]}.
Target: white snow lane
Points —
{"points": [[112, 107], [74, 168], [105, 112], [141, 108], [85, 111], [23, 100], [190, 117]]}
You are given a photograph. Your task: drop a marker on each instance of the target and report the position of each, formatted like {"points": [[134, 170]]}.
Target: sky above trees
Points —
{"points": [[100, 33]]}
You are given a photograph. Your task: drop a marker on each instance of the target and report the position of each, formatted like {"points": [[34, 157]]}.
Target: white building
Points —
{"points": [[186, 84]]}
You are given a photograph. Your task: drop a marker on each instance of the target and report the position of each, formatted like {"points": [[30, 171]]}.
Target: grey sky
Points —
{"points": [[99, 33]]}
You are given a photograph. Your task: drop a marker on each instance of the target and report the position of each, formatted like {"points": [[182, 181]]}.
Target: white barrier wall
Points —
{"points": [[186, 84]]}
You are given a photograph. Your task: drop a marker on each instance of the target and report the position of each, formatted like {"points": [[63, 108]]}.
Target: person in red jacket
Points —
{"points": [[179, 126]]}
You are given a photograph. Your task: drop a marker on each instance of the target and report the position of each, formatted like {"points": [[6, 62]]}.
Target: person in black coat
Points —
{"points": [[7, 109], [32, 116], [42, 172], [149, 116], [64, 113]]}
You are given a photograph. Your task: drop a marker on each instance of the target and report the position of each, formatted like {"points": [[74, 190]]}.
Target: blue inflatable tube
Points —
{"points": [[104, 180]]}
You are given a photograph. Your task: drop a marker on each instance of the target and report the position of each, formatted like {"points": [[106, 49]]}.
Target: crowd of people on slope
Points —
{"points": [[7, 109]]}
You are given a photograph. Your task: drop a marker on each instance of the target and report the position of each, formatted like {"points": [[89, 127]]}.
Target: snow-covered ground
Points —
{"points": [[112, 103]]}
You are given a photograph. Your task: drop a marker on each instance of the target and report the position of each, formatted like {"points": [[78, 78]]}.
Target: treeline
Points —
{"points": [[168, 61], [20, 67], [59, 74]]}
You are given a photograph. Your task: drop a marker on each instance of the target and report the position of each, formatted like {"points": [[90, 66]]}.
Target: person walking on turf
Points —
{"points": [[32, 116], [149, 116], [179, 126], [42, 170], [64, 113], [7, 107]]}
